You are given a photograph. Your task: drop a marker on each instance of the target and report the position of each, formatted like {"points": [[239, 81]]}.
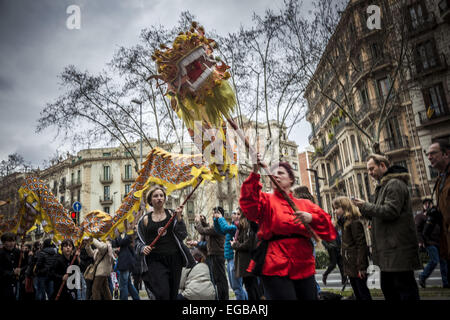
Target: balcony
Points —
{"points": [[419, 27], [335, 178], [105, 200], [433, 118], [62, 188], [106, 179], [395, 145], [128, 178], [444, 10], [75, 184], [430, 67], [329, 147]]}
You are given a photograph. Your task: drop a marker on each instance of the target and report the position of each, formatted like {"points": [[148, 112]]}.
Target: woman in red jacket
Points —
{"points": [[284, 259]]}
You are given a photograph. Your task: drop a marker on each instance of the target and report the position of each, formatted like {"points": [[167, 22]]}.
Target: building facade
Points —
{"points": [[365, 80]]}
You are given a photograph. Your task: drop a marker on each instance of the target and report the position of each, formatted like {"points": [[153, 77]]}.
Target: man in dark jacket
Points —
{"points": [[9, 270], [44, 270], [439, 156], [428, 233], [126, 262], [395, 245], [215, 243]]}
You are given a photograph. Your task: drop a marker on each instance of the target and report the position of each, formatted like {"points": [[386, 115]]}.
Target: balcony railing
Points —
{"points": [[335, 177], [75, 184], [105, 200], [436, 64], [423, 25], [329, 146], [394, 144], [431, 118], [128, 178], [106, 179]]}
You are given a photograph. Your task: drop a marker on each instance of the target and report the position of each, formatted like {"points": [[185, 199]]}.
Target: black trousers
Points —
{"points": [[216, 264], [335, 259], [360, 288], [284, 288], [399, 286], [163, 276], [252, 287]]}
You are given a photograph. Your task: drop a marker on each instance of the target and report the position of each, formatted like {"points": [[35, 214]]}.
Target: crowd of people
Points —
{"points": [[267, 251]]}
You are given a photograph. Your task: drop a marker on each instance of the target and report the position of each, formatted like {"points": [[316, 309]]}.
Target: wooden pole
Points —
{"points": [[272, 178]]}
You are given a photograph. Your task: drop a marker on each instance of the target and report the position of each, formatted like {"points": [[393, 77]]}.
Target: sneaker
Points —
{"points": [[422, 283]]}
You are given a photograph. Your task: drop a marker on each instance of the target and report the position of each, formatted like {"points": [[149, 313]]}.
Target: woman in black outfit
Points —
{"points": [[163, 263]]}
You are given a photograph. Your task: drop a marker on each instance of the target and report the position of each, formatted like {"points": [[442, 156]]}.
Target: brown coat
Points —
{"points": [[215, 242], [395, 245], [354, 248], [443, 201], [245, 244]]}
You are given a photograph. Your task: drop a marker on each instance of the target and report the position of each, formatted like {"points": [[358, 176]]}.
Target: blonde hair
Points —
{"points": [[350, 210]]}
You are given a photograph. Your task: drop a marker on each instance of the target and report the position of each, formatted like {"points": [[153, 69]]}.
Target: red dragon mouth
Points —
{"points": [[196, 67]]}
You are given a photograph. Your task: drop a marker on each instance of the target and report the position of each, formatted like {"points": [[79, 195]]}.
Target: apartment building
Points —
{"points": [[359, 76], [429, 29]]}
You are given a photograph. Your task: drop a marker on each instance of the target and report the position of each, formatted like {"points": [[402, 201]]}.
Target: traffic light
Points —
{"points": [[74, 216]]}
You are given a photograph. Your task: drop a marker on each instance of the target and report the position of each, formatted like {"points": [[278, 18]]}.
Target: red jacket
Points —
{"points": [[292, 257]]}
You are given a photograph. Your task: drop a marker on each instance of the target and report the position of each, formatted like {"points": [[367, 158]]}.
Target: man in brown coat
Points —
{"points": [[395, 245], [439, 156]]}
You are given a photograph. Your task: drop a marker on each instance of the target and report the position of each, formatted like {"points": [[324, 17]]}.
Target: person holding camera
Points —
{"points": [[428, 227], [439, 156]]}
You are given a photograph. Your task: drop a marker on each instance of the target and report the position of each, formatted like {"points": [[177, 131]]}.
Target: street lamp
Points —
{"points": [[316, 180], [140, 127]]}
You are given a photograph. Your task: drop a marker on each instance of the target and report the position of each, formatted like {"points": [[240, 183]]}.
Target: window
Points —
{"points": [[366, 182], [127, 188], [107, 154], [72, 177], [360, 186], [426, 56], [62, 199], [393, 134], [375, 50], [416, 15], [128, 171], [106, 209], [79, 176], [434, 99], [351, 185], [294, 165], [106, 191], [354, 147], [383, 87], [346, 154], [363, 94], [106, 173]]}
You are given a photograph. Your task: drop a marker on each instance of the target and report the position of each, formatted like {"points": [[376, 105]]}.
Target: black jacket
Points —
{"points": [[45, 261], [59, 270], [127, 256]]}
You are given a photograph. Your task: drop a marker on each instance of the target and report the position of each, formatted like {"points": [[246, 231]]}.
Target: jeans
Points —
{"points": [[44, 285], [125, 286], [236, 283], [433, 254], [81, 293]]}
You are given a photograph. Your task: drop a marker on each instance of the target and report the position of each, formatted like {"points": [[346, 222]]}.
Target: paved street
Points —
{"points": [[334, 279]]}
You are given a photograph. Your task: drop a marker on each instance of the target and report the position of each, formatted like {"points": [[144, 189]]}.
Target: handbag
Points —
{"points": [[29, 285], [89, 273]]}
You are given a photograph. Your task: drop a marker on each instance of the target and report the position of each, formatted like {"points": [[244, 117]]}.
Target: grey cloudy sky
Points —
{"points": [[36, 45]]}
